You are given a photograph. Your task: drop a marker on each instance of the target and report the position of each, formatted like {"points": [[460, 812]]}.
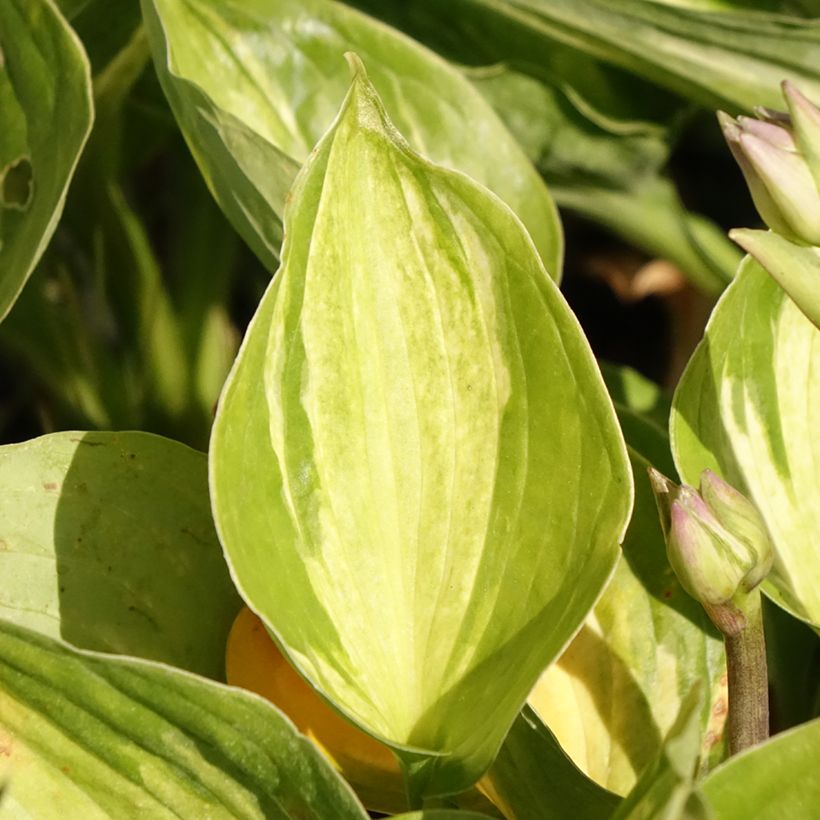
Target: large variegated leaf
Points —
{"points": [[255, 83], [45, 117], [773, 781], [89, 737], [415, 470], [748, 407], [106, 540], [616, 691]]}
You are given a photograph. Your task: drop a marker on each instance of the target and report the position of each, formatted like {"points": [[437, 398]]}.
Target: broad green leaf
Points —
{"points": [[255, 83], [733, 61], [106, 541], [384, 459], [617, 689], [748, 407], [796, 268], [90, 737], [773, 781], [46, 111], [666, 789], [532, 777]]}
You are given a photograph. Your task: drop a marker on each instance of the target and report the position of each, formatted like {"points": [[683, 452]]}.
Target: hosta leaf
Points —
{"points": [[733, 61], [532, 777], [106, 541], [616, 691], [773, 781], [46, 112], [255, 83], [795, 267], [385, 457], [666, 790], [90, 737], [599, 135], [748, 407]]}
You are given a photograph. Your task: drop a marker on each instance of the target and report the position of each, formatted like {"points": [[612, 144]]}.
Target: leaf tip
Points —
{"points": [[357, 69]]}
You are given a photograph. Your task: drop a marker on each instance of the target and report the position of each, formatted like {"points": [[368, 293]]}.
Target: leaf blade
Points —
{"points": [[45, 88], [286, 87], [93, 736], [303, 441]]}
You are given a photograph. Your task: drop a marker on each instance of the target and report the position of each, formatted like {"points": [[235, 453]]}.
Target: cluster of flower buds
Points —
{"points": [[779, 154], [717, 544]]}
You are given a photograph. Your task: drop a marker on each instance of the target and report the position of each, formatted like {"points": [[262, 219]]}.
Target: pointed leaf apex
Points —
{"points": [[357, 69]]}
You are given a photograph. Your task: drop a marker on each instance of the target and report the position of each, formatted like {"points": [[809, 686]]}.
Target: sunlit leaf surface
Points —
{"points": [[617, 689], [255, 83], [416, 472], [770, 782], [90, 737], [748, 407]]}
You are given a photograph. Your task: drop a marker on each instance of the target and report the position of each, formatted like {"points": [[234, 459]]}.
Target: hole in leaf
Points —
{"points": [[17, 185]]}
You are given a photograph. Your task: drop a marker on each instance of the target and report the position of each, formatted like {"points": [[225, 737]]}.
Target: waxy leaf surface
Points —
{"points": [[106, 541], [46, 112], [773, 781], [255, 83], [748, 407], [416, 472], [88, 737], [617, 689]]}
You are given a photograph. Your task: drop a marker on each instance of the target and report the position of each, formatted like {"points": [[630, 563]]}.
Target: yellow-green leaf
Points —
{"points": [[615, 692], [90, 737], [773, 781], [255, 83], [416, 472], [748, 407]]}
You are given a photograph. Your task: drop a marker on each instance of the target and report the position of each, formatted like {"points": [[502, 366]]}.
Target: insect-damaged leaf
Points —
{"points": [[416, 472], [45, 111]]}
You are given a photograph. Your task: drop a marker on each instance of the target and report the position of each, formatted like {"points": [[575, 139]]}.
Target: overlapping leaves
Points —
{"points": [[748, 407], [255, 84]]}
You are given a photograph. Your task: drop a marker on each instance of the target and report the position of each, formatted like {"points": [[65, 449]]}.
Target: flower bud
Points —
{"points": [[716, 543], [741, 518], [779, 156]]}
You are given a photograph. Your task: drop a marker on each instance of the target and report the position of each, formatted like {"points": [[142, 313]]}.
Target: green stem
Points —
{"points": [[748, 680]]}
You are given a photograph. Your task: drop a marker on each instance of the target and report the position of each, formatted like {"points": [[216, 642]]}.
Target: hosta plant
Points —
{"points": [[421, 570]]}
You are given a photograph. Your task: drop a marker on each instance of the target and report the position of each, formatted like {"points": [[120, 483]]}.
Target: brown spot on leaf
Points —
{"points": [[50, 485]]}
